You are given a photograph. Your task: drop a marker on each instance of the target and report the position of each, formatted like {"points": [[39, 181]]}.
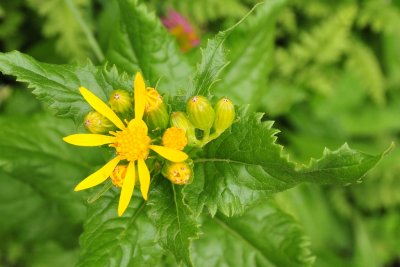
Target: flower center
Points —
{"points": [[174, 138], [133, 142]]}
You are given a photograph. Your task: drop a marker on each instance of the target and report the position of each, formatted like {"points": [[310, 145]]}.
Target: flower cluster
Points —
{"points": [[134, 143]]}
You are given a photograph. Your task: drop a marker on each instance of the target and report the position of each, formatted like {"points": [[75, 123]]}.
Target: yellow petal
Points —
{"points": [[137, 124], [140, 96], [89, 139], [127, 189], [170, 154], [101, 107], [144, 177], [99, 176]]}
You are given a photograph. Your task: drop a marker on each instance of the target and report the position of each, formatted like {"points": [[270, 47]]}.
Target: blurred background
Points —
{"points": [[331, 76]]}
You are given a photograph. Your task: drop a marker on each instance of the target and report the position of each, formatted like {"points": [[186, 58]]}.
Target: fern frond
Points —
{"points": [[324, 44], [61, 22], [363, 62], [380, 15]]}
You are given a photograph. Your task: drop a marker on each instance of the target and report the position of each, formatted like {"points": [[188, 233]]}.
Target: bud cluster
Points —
{"points": [[201, 115]]}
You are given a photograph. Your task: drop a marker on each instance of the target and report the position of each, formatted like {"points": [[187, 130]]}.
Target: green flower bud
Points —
{"points": [[200, 112], [157, 118], [224, 114], [180, 120], [120, 101], [94, 122], [156, 114], [178, 173]]}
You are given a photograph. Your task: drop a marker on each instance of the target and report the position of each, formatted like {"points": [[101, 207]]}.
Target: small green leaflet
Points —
{"points": [[245, 166]]}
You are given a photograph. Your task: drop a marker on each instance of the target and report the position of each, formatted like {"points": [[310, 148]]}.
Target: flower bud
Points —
{"points": [[178, 173], [96, 123], [118, 175], [180, 120], [174, 138], [156, 114], [120, 101], [224, 115], [200, 112]]}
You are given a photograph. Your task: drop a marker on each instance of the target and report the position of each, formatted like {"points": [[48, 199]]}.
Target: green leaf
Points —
{"points": [[175, 224], [251, 54], [58, 85], [213, 61], [150, 47], [109, 240], [43, 162], [245, 165], [263, 236]]}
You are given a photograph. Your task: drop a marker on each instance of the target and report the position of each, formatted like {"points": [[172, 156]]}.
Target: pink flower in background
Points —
{"points": [[180, 27]]}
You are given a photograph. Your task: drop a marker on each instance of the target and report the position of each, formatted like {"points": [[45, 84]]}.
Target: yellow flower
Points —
{"points": [[131, 143]]}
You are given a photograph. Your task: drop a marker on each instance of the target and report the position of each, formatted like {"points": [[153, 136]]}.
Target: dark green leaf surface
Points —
{"points": [[245, 165], [44, 166], [174, 221], [149, 46], [109, 240], [251, 44], [58, 85], [264, 236]]}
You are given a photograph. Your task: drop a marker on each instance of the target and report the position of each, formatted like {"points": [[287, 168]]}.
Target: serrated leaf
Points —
{"points": [[149, 46], [245, 165], [251, 54], [58, 85], [109, 240], [213, 61], [263, 236], [42, 161], [176, 226]]}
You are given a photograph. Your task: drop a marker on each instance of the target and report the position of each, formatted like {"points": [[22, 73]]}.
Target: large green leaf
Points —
{"points": [[109, 240], [263, 236], [33, 152], [245, 165], [251, 55], [174, 221], [58, 85], [147, 45]]}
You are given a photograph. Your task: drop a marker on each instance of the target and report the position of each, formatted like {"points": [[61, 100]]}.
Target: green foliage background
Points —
{"points": [[327, 72]]}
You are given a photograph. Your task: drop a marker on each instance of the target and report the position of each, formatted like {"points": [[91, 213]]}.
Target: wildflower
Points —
{"points": [[179, 27], [131, 143]]}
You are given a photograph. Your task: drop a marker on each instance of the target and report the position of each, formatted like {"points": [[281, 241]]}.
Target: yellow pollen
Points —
{"points": [[153, 99], [175, 138], [118, 175], [132, 143]]}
